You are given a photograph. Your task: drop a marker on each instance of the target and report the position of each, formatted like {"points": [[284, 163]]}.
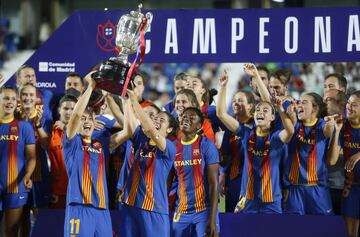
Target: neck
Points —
{"points": [[243, 118], [28, 111], [310, 119], [262, 129], [4, 116], [186, 137], [355, 122]]}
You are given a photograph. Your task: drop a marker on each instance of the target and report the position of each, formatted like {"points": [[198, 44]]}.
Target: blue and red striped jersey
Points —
{"points": [[261, 172], [306, 162], [85, 166], [190, 168], [350, 141], [14, 136], [148, 168]]}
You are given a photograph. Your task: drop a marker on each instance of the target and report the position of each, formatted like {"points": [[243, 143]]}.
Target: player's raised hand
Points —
{"points": [[38, 117], [224, 78], [250, 69], [90, 81]]}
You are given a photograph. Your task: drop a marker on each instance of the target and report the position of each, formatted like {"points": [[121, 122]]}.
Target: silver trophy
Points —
{"points": [[112, 73]]}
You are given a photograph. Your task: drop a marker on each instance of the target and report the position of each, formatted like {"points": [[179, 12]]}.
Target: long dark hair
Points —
{"points": [[317, 101]]}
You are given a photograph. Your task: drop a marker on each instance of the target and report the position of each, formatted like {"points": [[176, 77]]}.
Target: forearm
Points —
{"points": [[213, 191], [221, 101], [288, 126], [230, 122], [263, 90], [148, 126], [74, 122], [334, 149], [44, 138], [328, 129], [30, 160], [115, 110]]}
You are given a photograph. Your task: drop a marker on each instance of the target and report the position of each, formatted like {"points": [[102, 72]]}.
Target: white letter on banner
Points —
{"points": [[320, 33], [204, 37], [148, 42], [171, 36], [353, 28], [236, 24], [294, 21], [262, 34]]}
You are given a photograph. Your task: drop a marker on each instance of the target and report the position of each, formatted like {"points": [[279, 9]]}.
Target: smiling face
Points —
{"points": [[87, 124], [28, 97], [353, 108], [306, 108], [8, 102], [65, 111], [162, 123], [263, 114], [182, 102], [240, 105], [190, 122]]}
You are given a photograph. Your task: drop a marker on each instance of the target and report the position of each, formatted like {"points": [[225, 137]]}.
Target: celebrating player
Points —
{"points": [[17, 161]]}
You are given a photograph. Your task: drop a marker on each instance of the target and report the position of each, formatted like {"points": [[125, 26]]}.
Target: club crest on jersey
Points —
{"points": [[196, 152], [105, 37], [96, 145], [13, 129]]}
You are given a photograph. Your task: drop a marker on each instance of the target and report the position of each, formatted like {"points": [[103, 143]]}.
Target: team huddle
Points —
{"points": [[164, 168]]}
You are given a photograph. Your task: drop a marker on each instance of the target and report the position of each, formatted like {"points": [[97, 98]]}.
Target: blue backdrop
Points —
{"points": [[242, 35]]}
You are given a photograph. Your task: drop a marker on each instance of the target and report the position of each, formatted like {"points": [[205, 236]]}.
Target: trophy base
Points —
{"points": [[111, 76]]}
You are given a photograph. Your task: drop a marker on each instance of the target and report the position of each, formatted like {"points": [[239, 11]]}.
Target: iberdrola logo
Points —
{"points": [[105, 37]]}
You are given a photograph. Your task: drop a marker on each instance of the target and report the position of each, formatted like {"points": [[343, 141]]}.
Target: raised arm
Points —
{"points": [[128, 128], [252, 71], [230, 122], [334, 147], [74, 122], [44, 137], [115, 109], [288, 131], [329, 125], [146, 123]]}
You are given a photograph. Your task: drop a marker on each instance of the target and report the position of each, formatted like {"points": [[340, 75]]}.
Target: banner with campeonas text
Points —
{"points": [[198, 36]]}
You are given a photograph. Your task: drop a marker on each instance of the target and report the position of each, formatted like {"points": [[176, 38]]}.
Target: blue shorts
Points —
{"points": [[194, 224], [307, 200], [351, 201], [254, 206], [142, 223], [85, 220], [232, 193], [14, 200], [39, 195]]}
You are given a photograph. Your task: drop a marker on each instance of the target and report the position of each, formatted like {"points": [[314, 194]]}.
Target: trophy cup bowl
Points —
{"points": [[112, 73]]}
